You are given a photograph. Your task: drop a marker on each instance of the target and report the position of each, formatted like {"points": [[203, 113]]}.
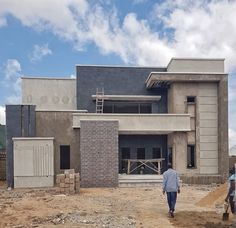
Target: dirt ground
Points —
{"points": [[112, 208]]}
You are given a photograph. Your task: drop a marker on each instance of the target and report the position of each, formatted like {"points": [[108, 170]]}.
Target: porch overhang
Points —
{"points": [[160, 79], [140, 123]]}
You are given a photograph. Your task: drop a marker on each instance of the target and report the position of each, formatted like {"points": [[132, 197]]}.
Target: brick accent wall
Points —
{"points": [[99, 153]]}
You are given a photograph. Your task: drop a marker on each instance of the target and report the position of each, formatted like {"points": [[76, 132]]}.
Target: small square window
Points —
{"points": [[190, 99]]}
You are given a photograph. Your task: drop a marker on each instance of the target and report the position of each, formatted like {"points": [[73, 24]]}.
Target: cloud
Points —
{"points": [[175, 28], [12, 80], [39, 52], [232, 137], [72, 76], [12, 69], [2, 115]]}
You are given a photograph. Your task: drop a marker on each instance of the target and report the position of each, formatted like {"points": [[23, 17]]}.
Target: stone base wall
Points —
{"points": [[68, 183], [202, 179]]}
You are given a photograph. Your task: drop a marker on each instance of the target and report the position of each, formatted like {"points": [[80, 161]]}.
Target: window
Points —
{"points": [[127, 107], [170, 155], [190, 99], [125, 154], [191, 163], [156, 153], [140, 153], [64, 157]]}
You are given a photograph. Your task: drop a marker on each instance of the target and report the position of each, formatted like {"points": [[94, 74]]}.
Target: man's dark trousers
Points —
{"points": [[171, 198]]}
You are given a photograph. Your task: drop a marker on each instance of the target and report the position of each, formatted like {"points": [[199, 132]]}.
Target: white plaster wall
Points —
{"points": [[208, 130], [196, 65], [33, 162], [49, 93]]}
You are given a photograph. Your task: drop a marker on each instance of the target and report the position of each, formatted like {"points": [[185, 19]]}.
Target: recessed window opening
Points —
{"points": [[156, 153], [191, 158], [190, 99], [125, 154], [64, 157]]}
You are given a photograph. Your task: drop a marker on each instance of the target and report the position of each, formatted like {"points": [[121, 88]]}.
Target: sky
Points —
{"points": [[49, 37]]}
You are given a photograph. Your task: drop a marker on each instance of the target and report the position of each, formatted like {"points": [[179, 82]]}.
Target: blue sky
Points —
{"points": [[48, 37]]}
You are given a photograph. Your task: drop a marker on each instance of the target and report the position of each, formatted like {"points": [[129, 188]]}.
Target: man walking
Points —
{"points": [[171, 187]]}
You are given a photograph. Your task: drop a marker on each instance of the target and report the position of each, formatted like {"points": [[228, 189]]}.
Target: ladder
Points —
{"points": [[99, 100]]}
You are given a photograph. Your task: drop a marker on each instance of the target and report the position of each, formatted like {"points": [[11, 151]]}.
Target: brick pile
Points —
{"points": [[68, 183]]}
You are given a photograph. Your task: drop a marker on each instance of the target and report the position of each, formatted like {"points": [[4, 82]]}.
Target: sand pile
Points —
{"points": [[215, 197]]}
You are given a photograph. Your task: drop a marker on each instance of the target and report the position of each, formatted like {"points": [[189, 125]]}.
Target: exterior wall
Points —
{"points": [[208, 128], [33, 162], [59, 125], [49, 93], [116, 81], [223, 126], [20, 122], [140, 123], [99, 153], [204, 124], [196, 65]]}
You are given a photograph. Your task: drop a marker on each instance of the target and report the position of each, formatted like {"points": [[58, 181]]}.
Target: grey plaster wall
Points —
{"points": [[20, 122], [116, 81], [59, 125], [99, 153]]}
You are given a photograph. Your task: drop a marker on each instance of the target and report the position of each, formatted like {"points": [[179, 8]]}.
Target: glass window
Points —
{"points": [[190, 99], [127, 107], [140, 153], [156, 153], [191, 163]]}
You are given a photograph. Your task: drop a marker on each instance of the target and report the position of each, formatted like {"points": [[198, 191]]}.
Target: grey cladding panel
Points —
{"points": [[116, 81]]}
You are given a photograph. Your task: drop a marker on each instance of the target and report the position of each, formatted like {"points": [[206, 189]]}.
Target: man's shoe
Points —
{"points": [[171, 214]]}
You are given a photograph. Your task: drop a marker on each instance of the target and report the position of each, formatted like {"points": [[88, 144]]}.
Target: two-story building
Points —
{"points": [[111, 114]]}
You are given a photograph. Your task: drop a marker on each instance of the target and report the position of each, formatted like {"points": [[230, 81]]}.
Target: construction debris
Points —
{"points": [[68, 183]]}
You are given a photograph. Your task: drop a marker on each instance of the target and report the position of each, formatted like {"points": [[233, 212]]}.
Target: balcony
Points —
{"points": [[140, 123]]}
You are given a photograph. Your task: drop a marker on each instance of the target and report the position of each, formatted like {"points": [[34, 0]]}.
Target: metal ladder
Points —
{"points": [[99, 100]]}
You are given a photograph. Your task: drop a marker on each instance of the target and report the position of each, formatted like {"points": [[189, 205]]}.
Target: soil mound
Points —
{"points": [[216, 196]]}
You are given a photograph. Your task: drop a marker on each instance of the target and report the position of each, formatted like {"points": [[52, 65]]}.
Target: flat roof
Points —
{"points": [[48, 78], [118, 66]]}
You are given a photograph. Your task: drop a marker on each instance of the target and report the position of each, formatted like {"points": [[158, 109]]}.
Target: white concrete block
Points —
{"points": [[206, 162], [208, 108], [208, 146], [33, 161], [208, 123], [208, 154], [209, 170], [208, 116], [209, 131], [207, 100], [209, 138], [33, 182]]}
